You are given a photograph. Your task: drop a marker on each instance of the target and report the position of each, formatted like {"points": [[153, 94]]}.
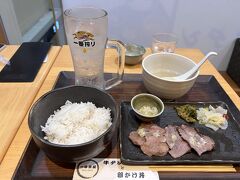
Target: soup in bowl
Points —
{"points": [[158, 66]]}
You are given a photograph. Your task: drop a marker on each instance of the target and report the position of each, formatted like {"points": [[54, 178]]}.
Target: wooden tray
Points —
{"points": [[35, 165]]}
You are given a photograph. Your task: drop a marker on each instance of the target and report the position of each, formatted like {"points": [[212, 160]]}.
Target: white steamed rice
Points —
{"points": [[76, 123]]}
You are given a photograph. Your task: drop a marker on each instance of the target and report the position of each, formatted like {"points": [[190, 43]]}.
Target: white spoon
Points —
{"points": [[189, 73]]}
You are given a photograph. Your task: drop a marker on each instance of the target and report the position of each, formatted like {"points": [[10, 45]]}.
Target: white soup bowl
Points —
{"points": [[159, 65]]}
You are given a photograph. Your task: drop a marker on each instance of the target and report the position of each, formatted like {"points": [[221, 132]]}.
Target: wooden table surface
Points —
{"points": [[64, 63], [16, 98]]}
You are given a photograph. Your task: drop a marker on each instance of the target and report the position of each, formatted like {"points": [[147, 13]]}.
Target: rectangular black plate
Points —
{"points": [[25, 63], [227, 142]]}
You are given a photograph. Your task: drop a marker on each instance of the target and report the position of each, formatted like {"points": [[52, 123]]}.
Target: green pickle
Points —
{"points": [[187, 112]]}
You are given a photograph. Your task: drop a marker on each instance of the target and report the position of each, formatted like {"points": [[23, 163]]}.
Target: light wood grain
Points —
{"points": [[16, 98], [64, 62]]}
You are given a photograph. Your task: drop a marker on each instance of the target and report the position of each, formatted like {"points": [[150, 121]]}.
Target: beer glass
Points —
{"points": [[86, 32]]}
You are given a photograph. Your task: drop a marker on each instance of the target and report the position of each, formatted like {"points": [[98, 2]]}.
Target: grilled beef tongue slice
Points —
{"points": [[178, 146], [200, 143], [145, 130], [136, 139], [154, 146]]}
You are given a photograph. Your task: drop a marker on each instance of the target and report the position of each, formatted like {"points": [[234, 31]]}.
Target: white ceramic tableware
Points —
{"points": [[192, 71], [159, 65]]}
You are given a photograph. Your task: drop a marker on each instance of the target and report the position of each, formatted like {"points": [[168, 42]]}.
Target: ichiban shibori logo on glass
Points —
{"points": [[84, 39]]}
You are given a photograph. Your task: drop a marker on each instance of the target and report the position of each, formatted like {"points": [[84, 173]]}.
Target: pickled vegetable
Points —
{"points": [[187, 112]]}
